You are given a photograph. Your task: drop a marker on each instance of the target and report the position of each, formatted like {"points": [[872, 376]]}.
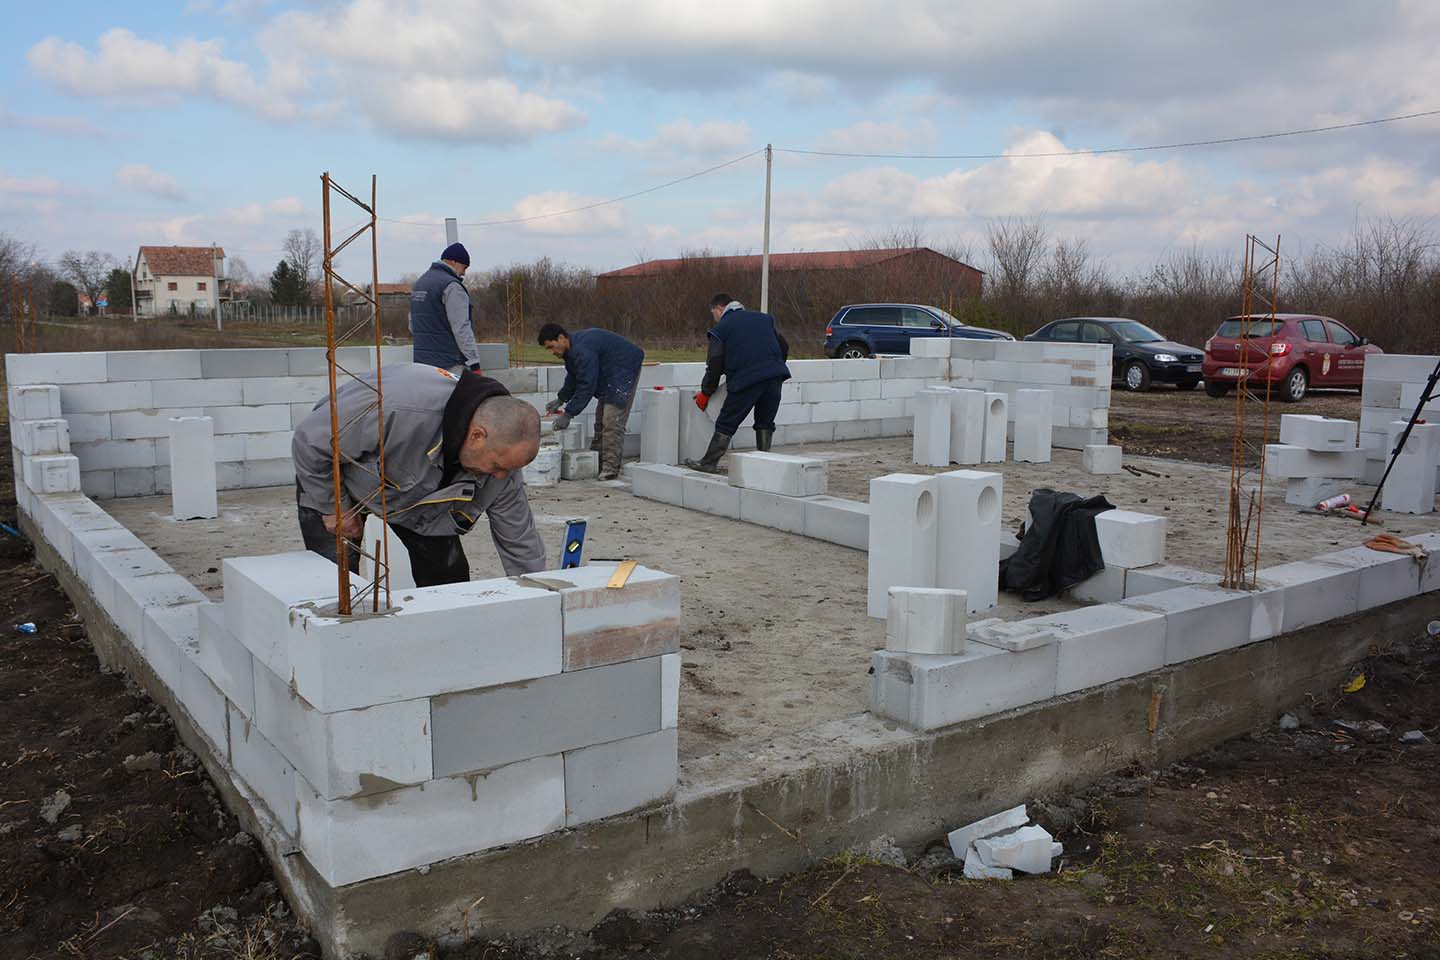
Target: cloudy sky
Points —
{"points": [[211, 120]]}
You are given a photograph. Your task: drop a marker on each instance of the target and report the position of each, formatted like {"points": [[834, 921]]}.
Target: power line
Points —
{"points": [[589, 206], [1081, 153]]}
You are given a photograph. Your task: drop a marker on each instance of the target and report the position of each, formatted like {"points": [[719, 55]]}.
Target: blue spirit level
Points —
{"points": [[574, 542]]}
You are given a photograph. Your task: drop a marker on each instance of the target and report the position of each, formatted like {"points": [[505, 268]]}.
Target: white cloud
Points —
{"points": [[685, 144], [491, 109], [29, 186], [608, 219], [146, 179], [887, 136]]}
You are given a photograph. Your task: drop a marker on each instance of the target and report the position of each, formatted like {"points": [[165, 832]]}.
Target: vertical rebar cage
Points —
{"points": [[361, 331], [1259, 295]]}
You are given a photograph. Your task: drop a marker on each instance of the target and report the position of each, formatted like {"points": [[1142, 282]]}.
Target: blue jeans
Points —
{"points": [[763, 398]]}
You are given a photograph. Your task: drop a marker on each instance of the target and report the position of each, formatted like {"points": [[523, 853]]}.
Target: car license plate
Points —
{"points": [[1193, 368], [1232, 372]]}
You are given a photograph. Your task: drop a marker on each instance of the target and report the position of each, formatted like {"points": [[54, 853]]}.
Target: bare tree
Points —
{"points": [[304, 251], [1017, 246], [88, 270]]}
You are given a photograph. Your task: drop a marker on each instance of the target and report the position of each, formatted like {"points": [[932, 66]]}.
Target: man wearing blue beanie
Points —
{"points": [[440, 314]]}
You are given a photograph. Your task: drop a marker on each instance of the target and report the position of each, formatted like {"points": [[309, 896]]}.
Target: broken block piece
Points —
{"points": [[903, 528], [997, 423], [967, 426], [1309, 491], [660, 426], [1102, 458], [579, 465], [1317, 433], [968, 535], [975, 869], [926, 620], [931, 443], [1026, 849], [192, 468], [1005, 820], [1129, 539], [779, 473], [1034, 421], [52, 473], [1012, 635]]}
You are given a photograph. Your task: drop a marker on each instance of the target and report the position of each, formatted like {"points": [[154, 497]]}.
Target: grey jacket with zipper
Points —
{"points": [[415, 398]]}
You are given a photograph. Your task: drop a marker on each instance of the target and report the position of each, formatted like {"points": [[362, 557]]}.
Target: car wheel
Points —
{"points": [[1187, 385], [1216, 390], [1295, 386], [1137, 377], [854, 351]]}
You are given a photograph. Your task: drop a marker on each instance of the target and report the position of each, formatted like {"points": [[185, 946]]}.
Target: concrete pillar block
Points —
{"points": [[1317, 433], [38, 437], [773, 510], [426, 645], [545, 716], [263, 768], [34, 401], [1034, 411], [904, 525], [931, 444], [1314, 592], [925, 620], [580, 465], [52, 473], [835, 520], [1102, 458], [1199, 620], [1309, 491], [351, 840], [350, 752], [930, 692], [402, 576], [609, 779], [544, 470], [223, 659], [259, 592], [660, 432], [1103, 643], [192, 468], [1129, 539], [1411, 486], [968, 411], [658, 482], [604, 625], [710, 494], [968, 535], [780, 473], [1283, 461], [996, 422]]}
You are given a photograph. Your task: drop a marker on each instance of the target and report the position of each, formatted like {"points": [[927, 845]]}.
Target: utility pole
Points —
{"points": [[134, 271], [452, 231], [765, 250], [215, 277]]}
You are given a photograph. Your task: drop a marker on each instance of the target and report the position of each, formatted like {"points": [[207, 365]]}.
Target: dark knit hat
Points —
{"points": [[457, 253]]}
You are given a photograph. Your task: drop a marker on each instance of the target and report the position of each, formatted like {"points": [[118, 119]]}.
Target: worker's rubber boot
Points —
{"points": [[710, 463], [763, 439]]}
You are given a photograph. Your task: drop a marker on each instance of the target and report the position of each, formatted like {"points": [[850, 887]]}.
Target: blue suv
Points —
{"points": [[865, 329]]}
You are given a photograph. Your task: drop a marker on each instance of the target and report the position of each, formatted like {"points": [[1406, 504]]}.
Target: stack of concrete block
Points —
{"points": [[359, 735], [1076, 374], [1333, 444], [1034, 419], [1392, 389], [1410, 487]]}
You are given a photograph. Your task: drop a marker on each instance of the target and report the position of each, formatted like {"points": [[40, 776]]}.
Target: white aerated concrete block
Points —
{"points": [[1129, 539], [1411, 486], [1103, 643], [1026, 849], [967, 426], [1002, 822], [996, 425], [402, 575], [52, 473], [347, 753], [930, 347], [1314, 592], [36, 437], [435, 640], [670, 691], [660, 429], [223, 659], [265, 771], [1384, 577], [26, 368], [968, 535], [773, 510], [931, 444], [658, 482], [167, 633], [1034, 411], [206, 705], [36, 401], [835, 520], [1102, 458], [1309, 491], [1107, 586], [780, 473], [926, 620], [1140, 581], [347, 841], [1317, 433], [544, 470], [710, 494], [259, 592], [1012, 635], [580, 465], [927, 692], [609, 779], [192, 468], [697, 426], [903, 529], [1297, 462], [1199, 621]]}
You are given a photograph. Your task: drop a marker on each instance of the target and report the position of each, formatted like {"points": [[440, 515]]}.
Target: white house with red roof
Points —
{"points": [[178, 280]]}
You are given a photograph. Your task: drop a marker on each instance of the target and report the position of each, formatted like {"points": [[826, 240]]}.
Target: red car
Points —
{"points": [[1294, 351]]}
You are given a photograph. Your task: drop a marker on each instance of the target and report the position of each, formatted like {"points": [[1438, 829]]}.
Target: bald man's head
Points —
{"points": [[504, 437]]}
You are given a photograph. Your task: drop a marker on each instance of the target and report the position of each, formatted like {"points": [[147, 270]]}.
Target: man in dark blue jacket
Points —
{"points": [[440, 314], [602, 365], [747, 349]]}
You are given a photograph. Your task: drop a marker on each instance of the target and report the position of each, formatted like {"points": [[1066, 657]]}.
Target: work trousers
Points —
{"points": [[763, 398], [609, 439], [433, 560]]}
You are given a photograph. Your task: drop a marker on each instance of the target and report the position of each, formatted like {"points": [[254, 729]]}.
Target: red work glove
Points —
{"points": [[702, 400]]}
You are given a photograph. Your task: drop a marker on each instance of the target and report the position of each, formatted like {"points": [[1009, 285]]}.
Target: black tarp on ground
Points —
{"points": [[1059, 549]]}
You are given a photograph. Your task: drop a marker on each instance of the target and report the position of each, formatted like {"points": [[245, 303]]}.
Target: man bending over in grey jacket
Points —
{"points": [[454, 449]]}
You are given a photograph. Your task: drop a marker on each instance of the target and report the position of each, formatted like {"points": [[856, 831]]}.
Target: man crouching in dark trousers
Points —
{"points": [[748, 350]]}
